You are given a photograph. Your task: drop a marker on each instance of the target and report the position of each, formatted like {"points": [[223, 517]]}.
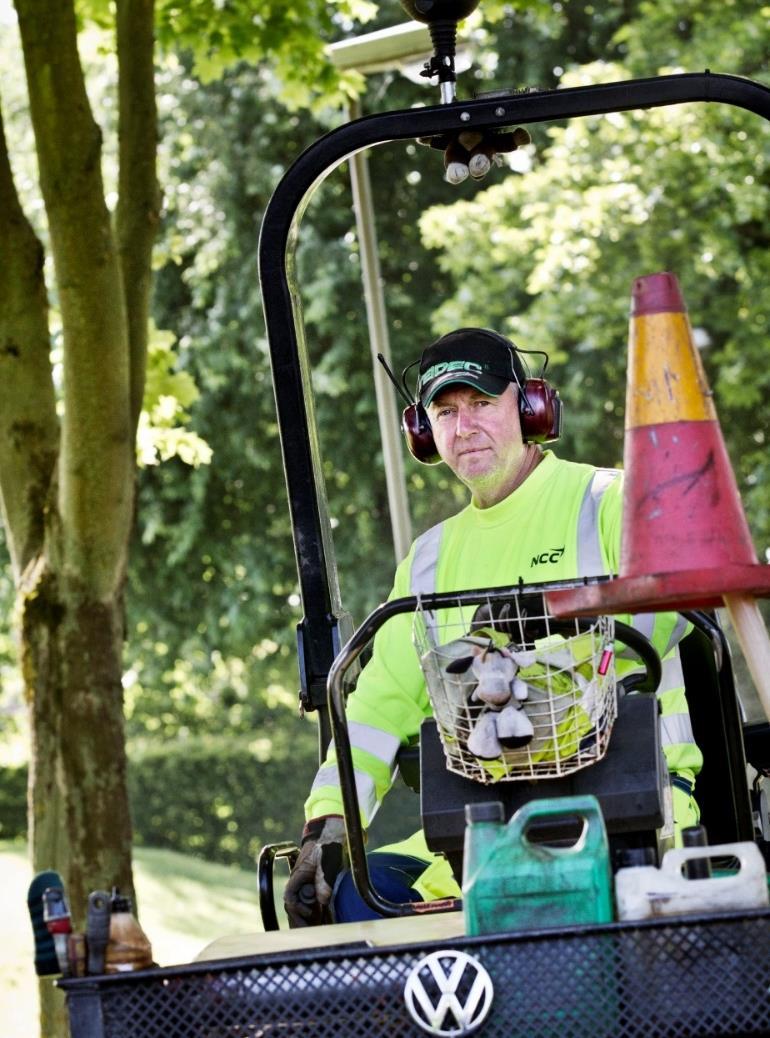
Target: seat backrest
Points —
{"points": [[628, 783]]}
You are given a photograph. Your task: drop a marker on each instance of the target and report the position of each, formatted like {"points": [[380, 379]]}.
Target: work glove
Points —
{"points": [[321, 857]]}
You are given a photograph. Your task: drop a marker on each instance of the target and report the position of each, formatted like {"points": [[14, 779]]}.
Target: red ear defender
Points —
{"points": [[419, 435], [539, 409]]}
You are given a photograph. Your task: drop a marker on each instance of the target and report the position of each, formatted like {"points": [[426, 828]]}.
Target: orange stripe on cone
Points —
{"points": [[685, 541], [666, 381]]}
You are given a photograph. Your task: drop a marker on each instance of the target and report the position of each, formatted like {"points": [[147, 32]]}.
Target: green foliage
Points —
{"points": [[169, 696], [13, 803], [168, 394], [222, 798], [293, 36], [532, 42], [213, 572], [723, 35]]}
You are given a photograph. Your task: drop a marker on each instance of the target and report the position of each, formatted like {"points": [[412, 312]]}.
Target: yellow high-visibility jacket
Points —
{"points": [[564, 521]]}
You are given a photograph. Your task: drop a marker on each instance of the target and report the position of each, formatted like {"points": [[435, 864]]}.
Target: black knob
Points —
{"points": [[489, 811], [439, 10]]}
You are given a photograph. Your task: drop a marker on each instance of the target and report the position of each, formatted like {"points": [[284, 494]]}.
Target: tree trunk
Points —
{"points": [[138, 210], [71, 585], [79, 815], [29, 430], [71, 659]]}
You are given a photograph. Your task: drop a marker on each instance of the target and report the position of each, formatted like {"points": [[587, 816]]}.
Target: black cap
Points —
{"points": [[487, 811], [474, 357], [120, 902]]}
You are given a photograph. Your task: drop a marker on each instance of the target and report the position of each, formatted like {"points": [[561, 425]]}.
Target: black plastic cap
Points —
{"points": [[120, 902], [489, 811], [694, 836], [630, 857]]}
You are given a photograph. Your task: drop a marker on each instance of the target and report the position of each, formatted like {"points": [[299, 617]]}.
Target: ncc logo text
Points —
{"points": [[552, 555]]}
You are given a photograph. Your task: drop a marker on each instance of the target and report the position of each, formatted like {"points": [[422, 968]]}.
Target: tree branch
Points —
{"points": [[96, 465], [139, 197], [29, 430]]}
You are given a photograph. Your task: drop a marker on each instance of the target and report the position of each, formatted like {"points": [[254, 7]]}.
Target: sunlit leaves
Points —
{"points": [[169, 393], [292, 36]]}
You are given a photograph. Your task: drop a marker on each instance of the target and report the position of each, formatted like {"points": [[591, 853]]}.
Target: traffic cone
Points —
{"points": [[685, 541]]}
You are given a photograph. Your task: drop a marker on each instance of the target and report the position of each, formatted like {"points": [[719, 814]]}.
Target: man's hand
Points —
{"points": [[321, 857]]}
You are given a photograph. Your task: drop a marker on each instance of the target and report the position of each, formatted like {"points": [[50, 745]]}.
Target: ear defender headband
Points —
{"points": [[540, 408]]}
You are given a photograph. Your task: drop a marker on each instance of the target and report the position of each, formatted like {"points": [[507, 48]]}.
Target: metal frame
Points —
{"points": [[348, 656], [265, 868], [325, 624]]}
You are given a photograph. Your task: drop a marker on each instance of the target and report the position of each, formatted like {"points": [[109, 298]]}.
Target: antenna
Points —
{"points": [[400, 389]]}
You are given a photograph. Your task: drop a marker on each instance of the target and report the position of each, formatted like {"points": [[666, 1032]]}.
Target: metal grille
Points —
{"points": [[518, 695], [661, 979]]}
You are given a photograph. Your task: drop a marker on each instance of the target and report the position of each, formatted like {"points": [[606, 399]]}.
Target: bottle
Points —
{"points": [[128, 947], [511, 883], [56, 914], [514, 883], [646, 892]]}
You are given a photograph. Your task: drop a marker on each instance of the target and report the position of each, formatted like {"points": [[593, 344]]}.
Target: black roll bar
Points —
{"points": [[325, 625]]}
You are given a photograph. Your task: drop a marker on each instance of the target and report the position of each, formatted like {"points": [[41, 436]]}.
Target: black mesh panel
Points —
{"points": [[650, 980]]}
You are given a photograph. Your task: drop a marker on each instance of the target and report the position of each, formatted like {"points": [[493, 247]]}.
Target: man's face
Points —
{"points": [[479, 437]]}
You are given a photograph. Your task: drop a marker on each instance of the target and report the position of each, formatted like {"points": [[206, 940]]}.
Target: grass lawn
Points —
{"points": [[185, 903]]}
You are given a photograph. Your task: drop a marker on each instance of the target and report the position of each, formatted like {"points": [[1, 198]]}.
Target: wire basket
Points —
{"points": [[516, 693]]}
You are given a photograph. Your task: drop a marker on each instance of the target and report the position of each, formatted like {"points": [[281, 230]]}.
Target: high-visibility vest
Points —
{"points": [[562, 522]]}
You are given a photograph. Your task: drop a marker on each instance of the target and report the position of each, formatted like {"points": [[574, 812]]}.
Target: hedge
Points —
{"points": [[13, 803], [219, 799], [215, 798]]}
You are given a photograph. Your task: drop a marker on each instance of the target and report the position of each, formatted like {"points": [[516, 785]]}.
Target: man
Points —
{"points": [[531, 516]]}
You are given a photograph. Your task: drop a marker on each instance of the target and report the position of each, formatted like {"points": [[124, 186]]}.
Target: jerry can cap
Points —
{"points": [[489, 811], [119, 902]]}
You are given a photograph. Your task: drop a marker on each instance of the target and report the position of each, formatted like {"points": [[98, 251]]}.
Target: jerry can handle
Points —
{"points": [[584, 806], [751, 863]]}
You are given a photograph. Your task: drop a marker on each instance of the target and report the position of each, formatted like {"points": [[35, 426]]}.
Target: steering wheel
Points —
{"points": [[639, 643]]}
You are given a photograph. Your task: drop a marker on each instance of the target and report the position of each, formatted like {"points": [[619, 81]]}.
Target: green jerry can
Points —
{"points": [[532, 874], [517, 878]]}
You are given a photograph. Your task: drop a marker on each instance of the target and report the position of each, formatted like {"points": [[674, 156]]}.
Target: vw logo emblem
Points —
{"points": [[448, 993]]}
